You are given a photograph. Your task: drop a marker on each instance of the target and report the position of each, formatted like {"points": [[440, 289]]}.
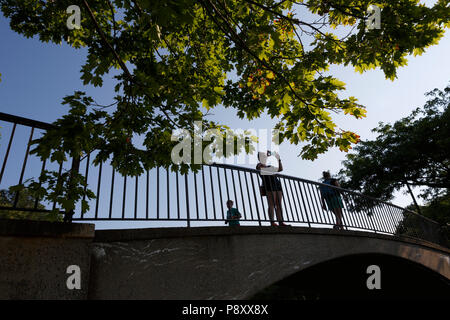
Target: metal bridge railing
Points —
{"points": [[161, 195]]}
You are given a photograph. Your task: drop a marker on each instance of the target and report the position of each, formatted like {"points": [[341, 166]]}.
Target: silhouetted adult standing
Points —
{"points": [[271, 186], [332, 198]]}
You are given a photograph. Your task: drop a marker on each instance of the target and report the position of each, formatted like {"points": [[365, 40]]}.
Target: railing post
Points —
{"points": [[73, 170], [16, 197], [7, 151], [187, 200]]}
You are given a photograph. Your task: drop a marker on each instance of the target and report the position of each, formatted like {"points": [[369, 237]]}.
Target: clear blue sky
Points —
{"points": [[36, 76]]}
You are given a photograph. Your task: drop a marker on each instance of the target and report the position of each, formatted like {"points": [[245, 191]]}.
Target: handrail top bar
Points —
{"points": [[25, 121]]}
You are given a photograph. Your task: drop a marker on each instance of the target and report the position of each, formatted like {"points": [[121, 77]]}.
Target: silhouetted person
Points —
{"points": [[332, 198], [233, 215], [271, 186]]}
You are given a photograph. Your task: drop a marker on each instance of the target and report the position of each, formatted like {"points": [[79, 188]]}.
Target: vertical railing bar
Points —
{"points": [[212, 192], [157, 192], [359, 223], [361, 214], [398, 216], [124, 195], [318, 196], [74, 169], [347, 220], [271, 181], [317, 204], [313, 204], [402, 216], [384, 209], [58, 180], [262, 202], [98, 189], [204, 192], [328, 216], [332, 216], [394, 223], [387, 225], [16, 197], [178, 196], [147, 194], [226, 184], [391, 224], [220, 193], [234, 190], [380, 220], [303, 212], [112, 193], [136, 196], [346, 214], [394, 218], [7, 151], [168, 193], [295, 199], [365, 215], [36, 201], [406, 215], [188, 214], [351, 217], [288, 200], [196, 194], [86, 179], [256, 203], [248, 197], [387, 220], [302, 205], [295, 216], [298, 190], [357, 213], [284, 205], [371, 216], [307, 201], [242, 194]]}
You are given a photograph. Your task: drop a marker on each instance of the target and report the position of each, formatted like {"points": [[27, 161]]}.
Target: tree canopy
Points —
{"points": [[413, 151], [176, 60]]}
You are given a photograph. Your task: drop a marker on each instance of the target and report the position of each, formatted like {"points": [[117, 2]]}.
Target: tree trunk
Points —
{"points": [[414, 198]]}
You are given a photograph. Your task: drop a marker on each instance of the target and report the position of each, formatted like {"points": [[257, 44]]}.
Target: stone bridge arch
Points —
{"points": [[231, 263]]}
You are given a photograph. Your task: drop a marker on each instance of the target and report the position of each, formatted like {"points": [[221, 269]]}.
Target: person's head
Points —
{"points": [[262, 157], [326, 175], [230, 204]]}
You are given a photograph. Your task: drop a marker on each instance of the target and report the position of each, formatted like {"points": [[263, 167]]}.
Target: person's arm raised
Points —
{"points": [[280, 165]]}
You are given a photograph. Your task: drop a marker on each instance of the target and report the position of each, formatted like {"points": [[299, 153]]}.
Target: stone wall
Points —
{"points": [[35, 256]]}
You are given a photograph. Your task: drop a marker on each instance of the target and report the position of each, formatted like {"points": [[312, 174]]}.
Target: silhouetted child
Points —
{"points": [[233, 215]]}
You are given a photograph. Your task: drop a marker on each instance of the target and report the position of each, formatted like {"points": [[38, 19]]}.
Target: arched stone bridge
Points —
{"points": [[235, 263], [42, 260]]}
